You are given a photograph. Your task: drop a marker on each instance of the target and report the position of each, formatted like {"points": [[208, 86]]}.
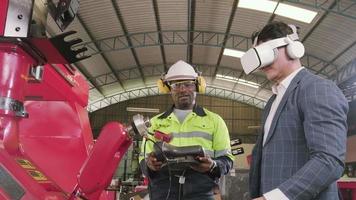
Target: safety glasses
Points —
{"points": [[183, 84]]}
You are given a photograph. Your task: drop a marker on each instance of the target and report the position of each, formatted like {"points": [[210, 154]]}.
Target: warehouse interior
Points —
{"points": [[130, 44]]}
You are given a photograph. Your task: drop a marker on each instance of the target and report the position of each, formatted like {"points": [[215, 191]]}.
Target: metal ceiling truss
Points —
{"points": [[82, 70], [265, 83], [321, 19], [153, 91], [236, 96], [179, 37], [91, 80], [128, 38], [226, 37], [346, 80], [346, 72], [156, 71], [205, 38], [190, 33], [102, 55], [343, 8], [159, 29], [336, 57]]}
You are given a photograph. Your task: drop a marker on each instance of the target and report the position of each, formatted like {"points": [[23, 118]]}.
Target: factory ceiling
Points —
{"points": [[131, 43]]}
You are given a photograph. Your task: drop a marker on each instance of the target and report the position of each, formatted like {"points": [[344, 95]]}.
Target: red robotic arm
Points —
{"points": [[46, 146]]}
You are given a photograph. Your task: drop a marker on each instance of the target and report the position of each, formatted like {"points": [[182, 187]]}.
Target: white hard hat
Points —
{"points": [[181, 71]]}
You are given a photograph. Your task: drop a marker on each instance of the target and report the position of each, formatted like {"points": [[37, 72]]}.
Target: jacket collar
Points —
{"points": [[196, 109]]}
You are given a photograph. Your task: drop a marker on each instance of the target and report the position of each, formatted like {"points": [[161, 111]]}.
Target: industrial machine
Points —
{"points": [[46, 146]]}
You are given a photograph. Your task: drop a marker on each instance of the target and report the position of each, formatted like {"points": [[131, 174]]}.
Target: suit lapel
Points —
{"points": [[290, 89], [266, 110], [257, 154]]}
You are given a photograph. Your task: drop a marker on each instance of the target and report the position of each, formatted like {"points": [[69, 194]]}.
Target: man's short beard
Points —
{"points": [[186, 105]]}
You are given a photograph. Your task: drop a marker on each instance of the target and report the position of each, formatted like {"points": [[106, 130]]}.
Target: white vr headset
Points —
{"points": [[267, 52]]}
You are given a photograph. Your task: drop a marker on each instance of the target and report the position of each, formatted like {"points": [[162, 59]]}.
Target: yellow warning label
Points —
{"points": [[25, 164], [37, 175], [31, 170]]}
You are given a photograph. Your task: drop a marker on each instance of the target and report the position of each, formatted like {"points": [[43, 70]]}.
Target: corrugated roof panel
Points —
{"points": [[247, 21], [130, 73], [133, 84], [112, 89], [138, 17], [212, 15], [173, 14], [349, 55], [153, 70], [95, 65], [206, 55], [331, 37], [175, 53], [149, 55], [94, 95], [121, 59], [224, 84], [100, 18]]}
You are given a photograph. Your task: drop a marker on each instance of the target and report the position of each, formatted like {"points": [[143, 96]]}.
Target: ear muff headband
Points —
{"points": [[201, 84], [164, 88]]}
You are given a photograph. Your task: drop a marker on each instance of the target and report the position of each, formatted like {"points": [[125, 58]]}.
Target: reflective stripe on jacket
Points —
{"points": [[200, 127]]}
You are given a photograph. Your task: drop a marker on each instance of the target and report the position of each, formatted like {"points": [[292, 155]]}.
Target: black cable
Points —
{"points": [[180, 185], [165, 157], [149, 179]]}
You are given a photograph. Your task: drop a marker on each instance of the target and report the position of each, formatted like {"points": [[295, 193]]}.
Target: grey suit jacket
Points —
{"points": [[304, 151]]}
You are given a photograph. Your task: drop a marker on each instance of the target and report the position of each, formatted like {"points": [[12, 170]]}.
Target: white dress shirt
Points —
{"points": [[278, 89]]}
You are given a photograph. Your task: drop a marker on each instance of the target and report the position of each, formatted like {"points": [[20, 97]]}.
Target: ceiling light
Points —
{"points": [[296, 13], [149, 110], [261, 5], [237, 80], [285, 10], [233, 53]]}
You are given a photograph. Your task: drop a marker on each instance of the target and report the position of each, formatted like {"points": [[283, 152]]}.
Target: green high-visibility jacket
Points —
{"points": [[200, 127]]}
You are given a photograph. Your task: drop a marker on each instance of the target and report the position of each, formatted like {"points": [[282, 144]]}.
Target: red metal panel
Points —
{"points": [[33, 189], [99, 168], [59, 85], [53, 138], [45, 151], [14, 65], [348, 189], [3, 12]]}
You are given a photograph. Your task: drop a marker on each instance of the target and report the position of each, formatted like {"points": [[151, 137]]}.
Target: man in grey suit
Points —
{"points": [[300, 153]]}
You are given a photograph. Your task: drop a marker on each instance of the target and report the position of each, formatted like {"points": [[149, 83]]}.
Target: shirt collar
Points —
{"points": [[196, 109], [282, 86]]}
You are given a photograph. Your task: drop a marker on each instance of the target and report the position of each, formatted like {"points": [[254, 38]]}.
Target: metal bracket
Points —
{"points": [[18, 18], [14, 106], [37, 72]]}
